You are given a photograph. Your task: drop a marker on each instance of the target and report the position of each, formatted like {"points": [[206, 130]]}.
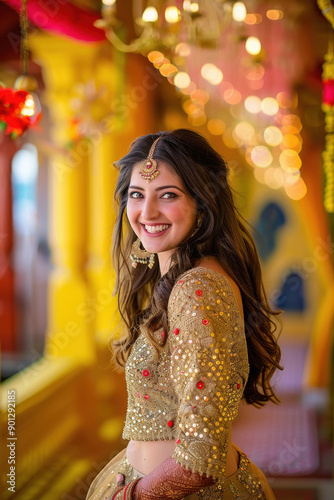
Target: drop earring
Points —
{"points": [[139, 256], [198, 225]]}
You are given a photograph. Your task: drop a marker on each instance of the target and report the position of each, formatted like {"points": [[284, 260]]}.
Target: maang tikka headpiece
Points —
{"points": [[149, 170]]}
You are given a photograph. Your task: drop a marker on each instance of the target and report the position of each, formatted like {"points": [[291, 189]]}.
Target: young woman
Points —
{"points": [[199, 328]]}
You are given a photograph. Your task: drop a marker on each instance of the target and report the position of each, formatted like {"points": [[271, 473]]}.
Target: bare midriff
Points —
{"points": [[145, 456]]}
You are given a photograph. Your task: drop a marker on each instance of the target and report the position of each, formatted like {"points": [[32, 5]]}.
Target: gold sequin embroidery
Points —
{"points": [[194, 390]]}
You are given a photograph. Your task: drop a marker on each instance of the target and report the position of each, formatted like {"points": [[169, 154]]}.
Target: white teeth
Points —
{"points": [[156, 229]]}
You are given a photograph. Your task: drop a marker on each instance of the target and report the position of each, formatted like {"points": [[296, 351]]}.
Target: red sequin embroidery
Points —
{"points": [[205, 321], [170, 423], [176, 331], [146, 373], [200, 385], [199, 292]]}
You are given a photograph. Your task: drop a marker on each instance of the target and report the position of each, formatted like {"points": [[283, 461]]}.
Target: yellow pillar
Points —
{"points": [[114, 98], [65, 65], [102, 309], [133, 92]]}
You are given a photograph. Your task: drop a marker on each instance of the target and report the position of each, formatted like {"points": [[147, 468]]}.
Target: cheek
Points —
{"points": [[185, 215], [131, 213]]}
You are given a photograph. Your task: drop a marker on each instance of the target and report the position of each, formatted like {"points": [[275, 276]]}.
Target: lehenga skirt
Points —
{"points": [[247, 483]]}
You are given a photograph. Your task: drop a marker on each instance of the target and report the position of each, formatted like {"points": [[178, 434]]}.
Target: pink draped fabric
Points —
{"points": [[63, 18]]}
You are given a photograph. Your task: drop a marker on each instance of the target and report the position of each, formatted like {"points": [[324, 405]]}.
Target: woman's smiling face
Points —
{"points": [[160, 212]]}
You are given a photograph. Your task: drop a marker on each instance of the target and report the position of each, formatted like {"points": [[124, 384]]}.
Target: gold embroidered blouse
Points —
{"points": [[193, 391]]}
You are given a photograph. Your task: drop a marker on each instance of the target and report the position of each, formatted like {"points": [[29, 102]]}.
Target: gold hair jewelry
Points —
{"points": [[139, 256], [149, 166]]}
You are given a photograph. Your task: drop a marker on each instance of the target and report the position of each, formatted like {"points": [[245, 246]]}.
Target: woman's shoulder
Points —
{"points": [[201, 274], [211, 275], [209, 268]]}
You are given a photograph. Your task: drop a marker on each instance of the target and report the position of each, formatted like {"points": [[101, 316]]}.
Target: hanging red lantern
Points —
{"points": [[20, 107], [17, 111]]}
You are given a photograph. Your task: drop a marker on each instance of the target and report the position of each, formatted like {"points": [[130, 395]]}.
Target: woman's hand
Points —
{"points": [[169, 481], [117, 492], [122, 491], [120, 480]]}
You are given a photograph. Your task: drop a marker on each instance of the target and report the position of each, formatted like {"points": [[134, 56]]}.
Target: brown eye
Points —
{"points": [[168, 196], [135, 195]]}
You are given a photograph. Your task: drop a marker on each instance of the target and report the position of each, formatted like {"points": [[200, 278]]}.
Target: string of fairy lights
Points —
{"points": [[265, 127], [221, 55]]}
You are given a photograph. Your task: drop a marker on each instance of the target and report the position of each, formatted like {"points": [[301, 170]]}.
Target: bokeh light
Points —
{"points": [[243, 131], [253, 19], [273, 136], [261, 156], [150, 15], [269, 106], [253, 45], [232, 96], [200, 96], [290, 129], [296, 191], [253, 104], [172, 14], [274, 14], [291, 141], [239, 11], [168, 69], [182, 80], [292, 177], [188, 106], [183, 49], [292, 121], [284, 100], [155, 57], [187, 90], [197, 119], [211, 73], [158, 62], [189, 6], [216, 126], [290, 160]]}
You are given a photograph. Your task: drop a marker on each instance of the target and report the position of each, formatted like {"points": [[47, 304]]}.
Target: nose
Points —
{"points": [[150, 209]]}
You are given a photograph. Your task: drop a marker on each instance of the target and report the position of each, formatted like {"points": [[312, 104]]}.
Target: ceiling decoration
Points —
{"points": [[234, 65]]}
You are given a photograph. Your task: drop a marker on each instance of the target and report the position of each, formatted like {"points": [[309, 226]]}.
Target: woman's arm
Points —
{"points": [[169, 481], [209, 367]]}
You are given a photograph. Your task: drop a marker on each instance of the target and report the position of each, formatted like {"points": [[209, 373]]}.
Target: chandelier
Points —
{"points": [[217, 56], [161, 26]]}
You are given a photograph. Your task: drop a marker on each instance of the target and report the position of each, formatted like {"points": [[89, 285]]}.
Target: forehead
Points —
{"points": [[166, 175]]}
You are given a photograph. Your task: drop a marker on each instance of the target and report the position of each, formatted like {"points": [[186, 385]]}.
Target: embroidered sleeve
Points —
{"points": [[209, 367]]}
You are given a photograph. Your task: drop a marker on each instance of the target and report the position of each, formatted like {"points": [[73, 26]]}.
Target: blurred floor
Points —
{"points": [[291, 442]]}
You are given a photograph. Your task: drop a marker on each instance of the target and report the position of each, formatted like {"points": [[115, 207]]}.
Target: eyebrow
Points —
{"points": [[158, 189]]}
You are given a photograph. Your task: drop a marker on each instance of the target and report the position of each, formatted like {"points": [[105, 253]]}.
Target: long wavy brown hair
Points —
{"points": [[143, 294]]}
